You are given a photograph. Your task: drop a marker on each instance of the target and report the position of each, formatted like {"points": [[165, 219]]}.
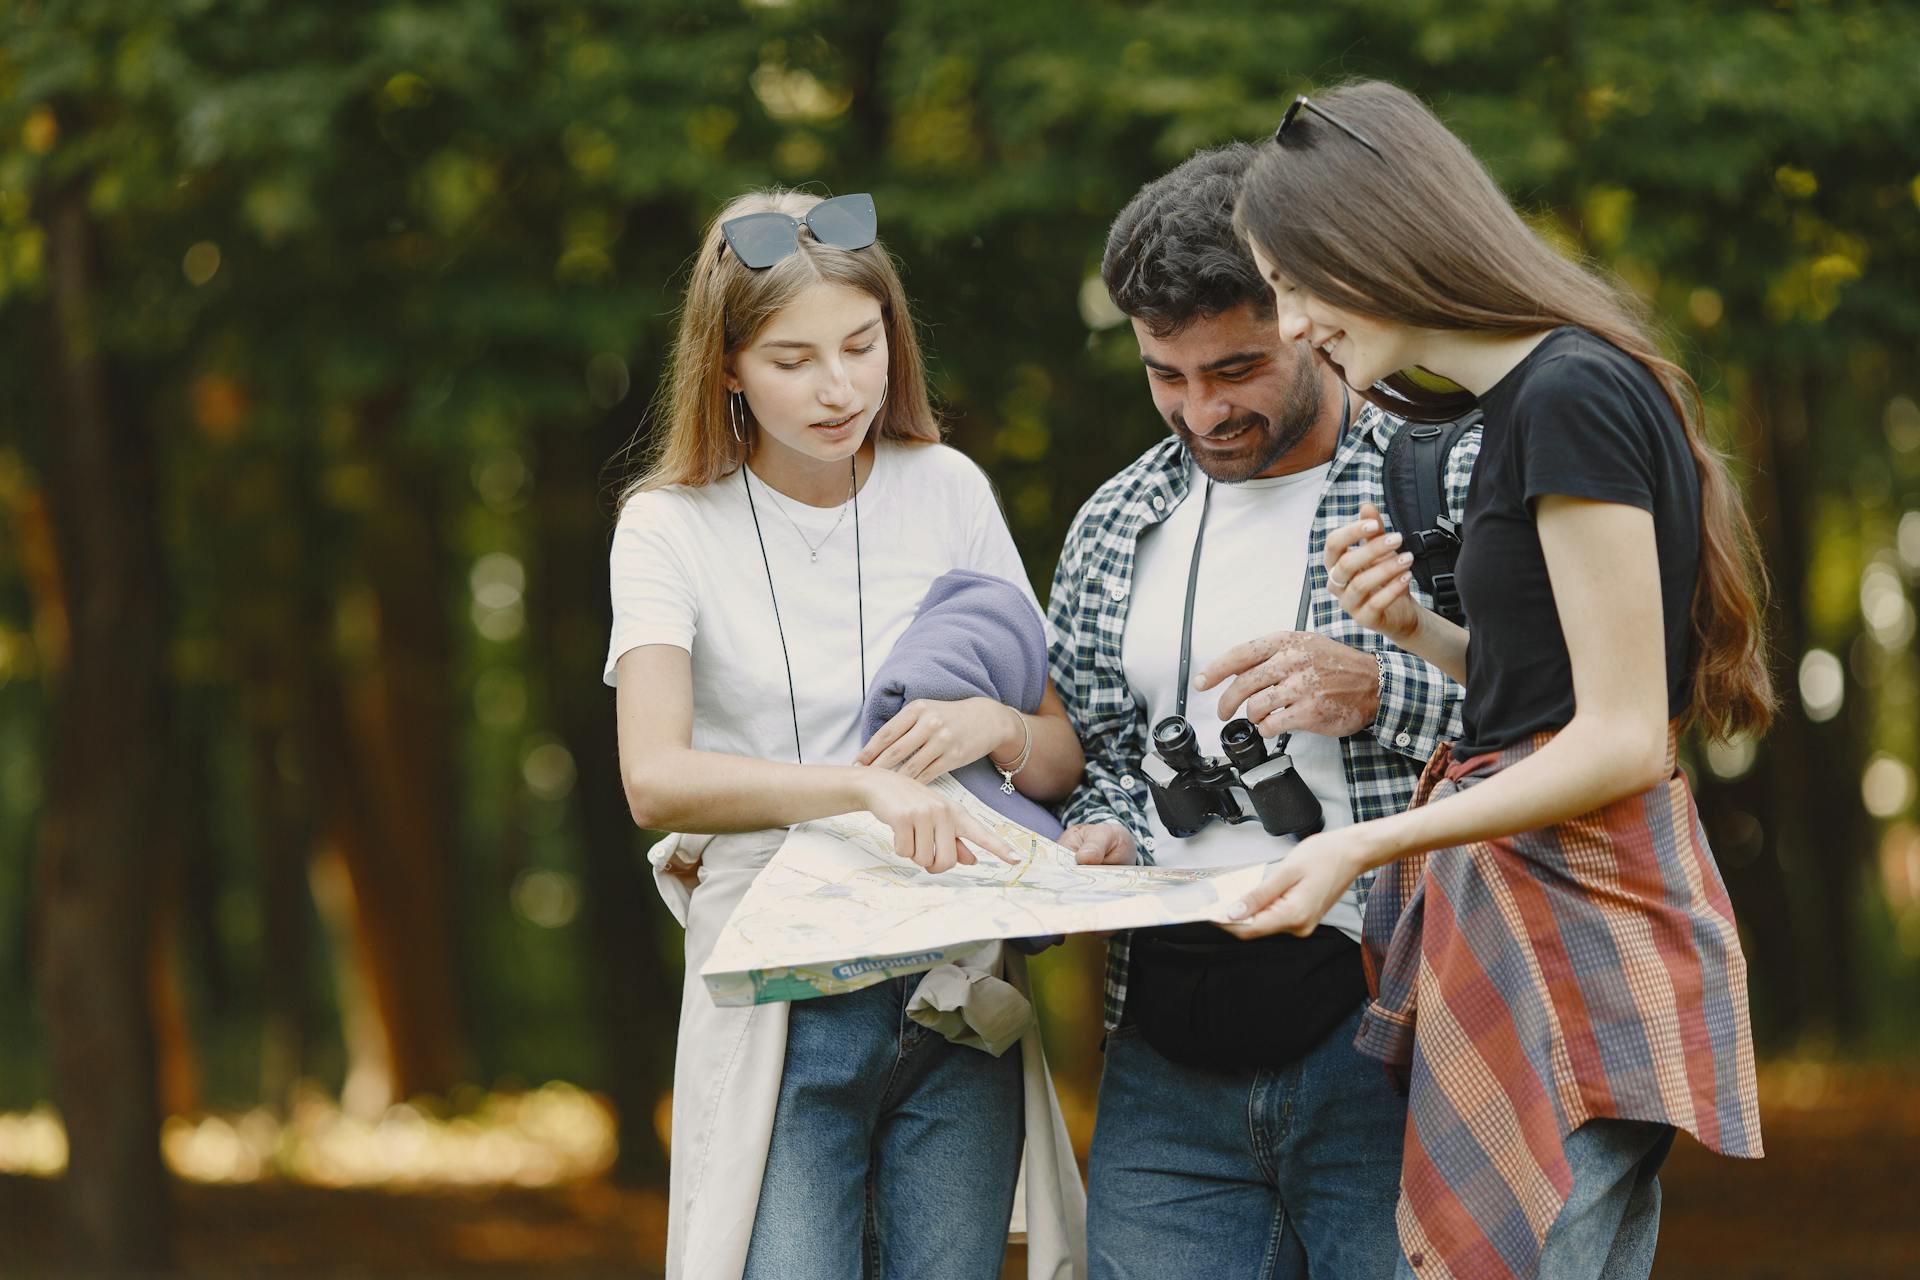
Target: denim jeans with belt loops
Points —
{"points": [[895, 1151]]}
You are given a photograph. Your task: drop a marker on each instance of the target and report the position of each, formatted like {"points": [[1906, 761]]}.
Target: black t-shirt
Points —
{"points": [[1582, 418]]}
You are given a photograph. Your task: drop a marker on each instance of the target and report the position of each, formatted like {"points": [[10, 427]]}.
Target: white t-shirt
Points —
{"points": [[1251, 568], [686, 570]]}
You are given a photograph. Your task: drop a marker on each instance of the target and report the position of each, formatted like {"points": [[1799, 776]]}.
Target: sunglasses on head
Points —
{"points": [[1400, 394], [1304, 103], [761, 239]]}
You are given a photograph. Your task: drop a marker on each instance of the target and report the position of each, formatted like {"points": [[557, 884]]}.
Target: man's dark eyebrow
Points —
{"points": [[808, 346], [1213, 366]]}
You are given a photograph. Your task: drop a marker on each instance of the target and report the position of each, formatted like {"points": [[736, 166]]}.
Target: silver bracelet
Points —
{"points": [[1380, 695], [1026, 749]]}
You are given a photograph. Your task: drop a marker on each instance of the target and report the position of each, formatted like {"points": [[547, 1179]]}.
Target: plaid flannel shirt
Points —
{"points": [[1087, 617]]}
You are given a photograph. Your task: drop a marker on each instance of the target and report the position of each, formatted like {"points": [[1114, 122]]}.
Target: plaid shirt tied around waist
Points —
{"points": [[1087, 619], [1528, 984]]}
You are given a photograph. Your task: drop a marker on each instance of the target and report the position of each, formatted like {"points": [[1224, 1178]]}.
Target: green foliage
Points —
{"points": [[336, 235]]}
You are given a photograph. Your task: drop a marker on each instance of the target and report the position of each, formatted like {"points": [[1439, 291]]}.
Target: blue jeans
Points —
{"points": [[1611, 1221], [1271, 1173], [895, 1151]]}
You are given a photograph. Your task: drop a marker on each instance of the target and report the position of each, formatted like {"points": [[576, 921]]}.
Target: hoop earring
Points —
{"points": [[733, 408]]}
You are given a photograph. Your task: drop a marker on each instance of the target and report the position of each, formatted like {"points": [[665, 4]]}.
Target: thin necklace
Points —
{"points": [[859, 594], [813, 548]]}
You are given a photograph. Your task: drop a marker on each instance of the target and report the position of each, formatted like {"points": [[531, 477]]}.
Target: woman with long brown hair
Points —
{"points": [[798, 507], [1556, 971]]}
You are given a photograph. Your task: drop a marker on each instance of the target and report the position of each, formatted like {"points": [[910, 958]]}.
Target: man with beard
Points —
{"points": [[1239, 1131]]}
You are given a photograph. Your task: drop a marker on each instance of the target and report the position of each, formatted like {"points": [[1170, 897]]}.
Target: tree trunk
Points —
{"points": [[404, 719], [636, 994], [187, 958], [372, 753], [1802, 889], [283, 841], [1819, 765], [108, 787]]}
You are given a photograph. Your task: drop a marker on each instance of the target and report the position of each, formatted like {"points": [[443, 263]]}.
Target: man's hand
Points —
{"points": [[1104, 843], [1297, 680]]}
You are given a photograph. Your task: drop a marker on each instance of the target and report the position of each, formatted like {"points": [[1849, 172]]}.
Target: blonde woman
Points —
{"points": [[797, 509]]}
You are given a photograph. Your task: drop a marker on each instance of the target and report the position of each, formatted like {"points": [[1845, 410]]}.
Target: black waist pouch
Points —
{"points": [[1204, 998]]}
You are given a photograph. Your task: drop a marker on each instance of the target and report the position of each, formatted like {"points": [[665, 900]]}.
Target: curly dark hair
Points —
{"points": [[1173, 255]]}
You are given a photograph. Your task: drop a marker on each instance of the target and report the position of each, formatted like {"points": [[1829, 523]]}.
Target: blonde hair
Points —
{"points": [[727, 305], [1424, 237]]}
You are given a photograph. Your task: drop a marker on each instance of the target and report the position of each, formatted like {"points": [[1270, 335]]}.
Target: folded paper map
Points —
{"points": [[836, 909]]}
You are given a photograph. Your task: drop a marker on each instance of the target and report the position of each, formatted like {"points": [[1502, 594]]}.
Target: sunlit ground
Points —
{"points": [[553, 1134], [516, 1182]]}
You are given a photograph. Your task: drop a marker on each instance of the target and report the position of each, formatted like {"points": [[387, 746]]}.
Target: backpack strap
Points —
{"points": [[1415, 479]]}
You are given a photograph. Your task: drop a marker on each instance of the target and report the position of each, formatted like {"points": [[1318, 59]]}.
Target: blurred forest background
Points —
{"points": [[324, 327]]}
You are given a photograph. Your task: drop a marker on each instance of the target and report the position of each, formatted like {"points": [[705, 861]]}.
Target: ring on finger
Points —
{"points": [[1338, 584]]}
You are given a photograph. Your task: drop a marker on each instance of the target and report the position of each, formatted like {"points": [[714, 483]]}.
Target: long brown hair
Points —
{"points": [[727, 305], [1421, 235]]}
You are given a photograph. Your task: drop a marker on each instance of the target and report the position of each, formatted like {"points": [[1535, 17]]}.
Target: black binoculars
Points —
{"points": [[1190, 789]]}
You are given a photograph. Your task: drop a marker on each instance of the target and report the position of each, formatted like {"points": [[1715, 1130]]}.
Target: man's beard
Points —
{"points": [[1268, 439]]}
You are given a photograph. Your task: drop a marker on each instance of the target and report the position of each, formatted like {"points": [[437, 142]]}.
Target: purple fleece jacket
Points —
{"points": [[974, 635]]}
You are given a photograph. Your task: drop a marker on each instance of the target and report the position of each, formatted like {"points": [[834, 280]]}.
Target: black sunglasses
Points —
{"points": [[1304, 101], [1401, 395], [761, 239]]}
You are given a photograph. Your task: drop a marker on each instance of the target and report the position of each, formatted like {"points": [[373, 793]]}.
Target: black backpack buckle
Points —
{"points": [[1425, 542]]}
